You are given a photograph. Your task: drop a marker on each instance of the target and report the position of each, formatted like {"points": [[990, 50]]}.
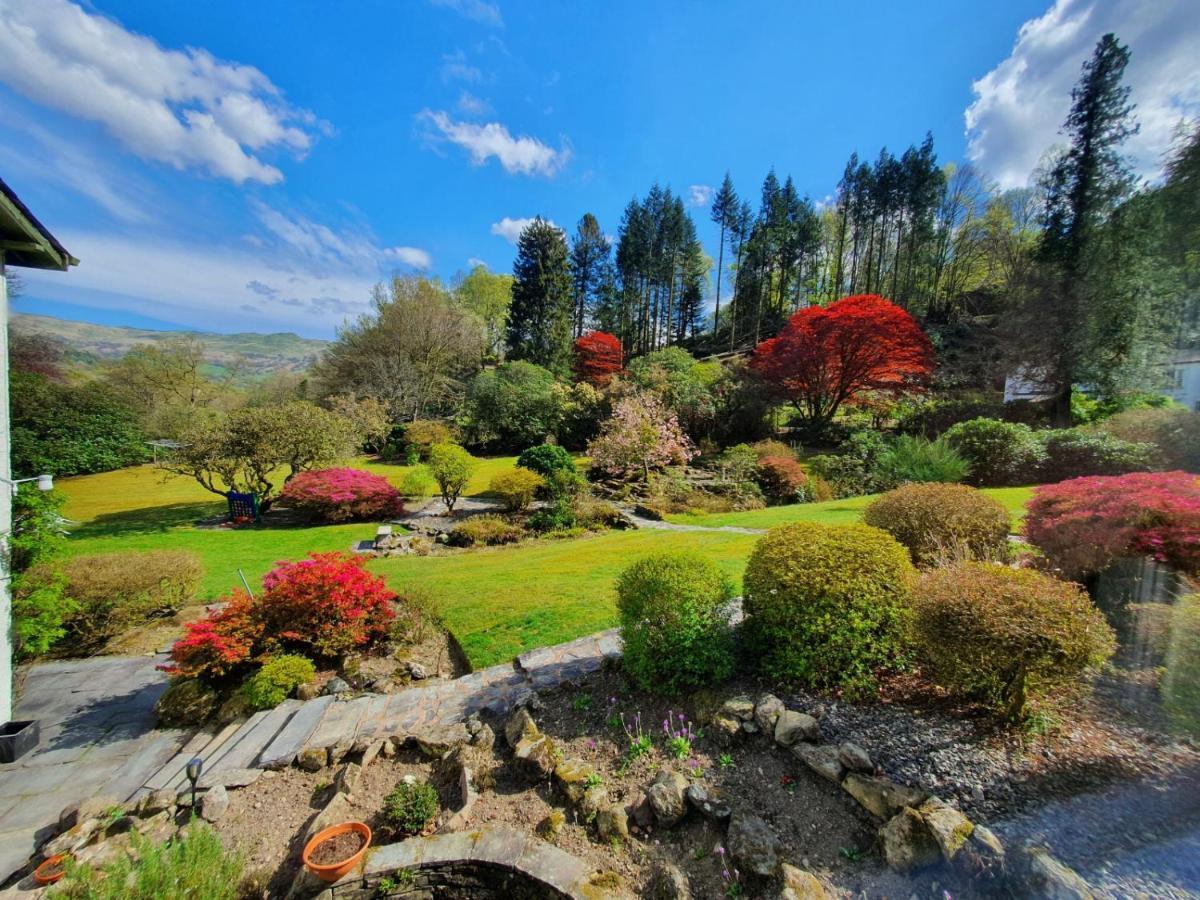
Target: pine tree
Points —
{"points": [[541, 315]]}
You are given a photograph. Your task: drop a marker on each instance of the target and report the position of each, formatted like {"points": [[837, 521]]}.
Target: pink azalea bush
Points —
{"points": [[341, 495], [1084, 524], [641, 437]]}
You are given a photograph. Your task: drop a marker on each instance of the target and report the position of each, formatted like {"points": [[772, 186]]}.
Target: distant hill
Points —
{"points": [[253, 356]]}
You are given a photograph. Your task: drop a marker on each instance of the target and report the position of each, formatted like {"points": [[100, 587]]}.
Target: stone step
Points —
{"points": [[339, 726], [256, 734], [292, 737]]}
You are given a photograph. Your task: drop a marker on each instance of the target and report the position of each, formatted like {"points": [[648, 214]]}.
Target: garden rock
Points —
{"points": [[571, 775], [752, 844], [711, 808], [801, 885], [881, 797], [519, 725], [822, 759], [855, 758], [767, 711], [312, 759], [336, 685], [612, 823], [214, 804], [538, 754], [792, 727], [949, 827], [667, 798], [906, 842]]}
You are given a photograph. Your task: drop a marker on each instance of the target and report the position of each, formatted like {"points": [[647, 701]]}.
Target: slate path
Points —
{"points": [[97, 737]]}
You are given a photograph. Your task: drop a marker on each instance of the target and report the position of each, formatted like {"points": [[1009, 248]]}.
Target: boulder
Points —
{"points": [[519, 725], [538, 755], [612, 824], [571, 776], [855, 758], [667, 796], [881, 797], [214, 804], [709, 806], [187, 701], [949, 827], [907, 843], [800, 885], [766, 712], [752, 844], [822, 759], [792, 727]]}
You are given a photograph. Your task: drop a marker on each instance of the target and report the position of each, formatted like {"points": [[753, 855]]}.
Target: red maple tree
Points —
{"points": [[598, 357], [826, 356]]}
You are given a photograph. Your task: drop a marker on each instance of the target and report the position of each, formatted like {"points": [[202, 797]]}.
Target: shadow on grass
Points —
{"points": [[148, 520]]}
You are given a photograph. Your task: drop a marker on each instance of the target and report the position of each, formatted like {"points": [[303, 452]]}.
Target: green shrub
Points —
{"points": [[113, 592], [275, 681], [516, 488], [1001, 635], [486, 530], [917, 459], [192, 864], [410, 808], [673, 609], [1072, 453], [940, 522], [999, 453], [1175, 434], [1181, 682], [826, 606], [546, 459]]}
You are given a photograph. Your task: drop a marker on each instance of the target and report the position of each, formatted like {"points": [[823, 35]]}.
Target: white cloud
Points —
{"points": [[510, 229], [700, 194], [471, 105], [476, 10], [184, 108], [524, 154], [456, 68], [411, 256], [1020, 104]]}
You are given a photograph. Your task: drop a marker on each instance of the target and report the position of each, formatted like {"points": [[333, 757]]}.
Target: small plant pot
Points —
{"points": [[51, 870], [330, 872], [17, 739]]}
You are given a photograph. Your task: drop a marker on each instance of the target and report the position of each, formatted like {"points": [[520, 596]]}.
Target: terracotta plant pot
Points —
{"points": [[45, 874], [333, 871]]}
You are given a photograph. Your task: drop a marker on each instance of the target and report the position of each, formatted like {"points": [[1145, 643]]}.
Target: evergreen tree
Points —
{"points": [[542, 311]]}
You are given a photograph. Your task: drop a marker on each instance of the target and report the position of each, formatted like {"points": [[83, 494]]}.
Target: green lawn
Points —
{"points": [[833, 512], [500, 602]]}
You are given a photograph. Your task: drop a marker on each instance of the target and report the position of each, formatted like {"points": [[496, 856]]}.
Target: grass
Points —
{"points": [[832, 512]]}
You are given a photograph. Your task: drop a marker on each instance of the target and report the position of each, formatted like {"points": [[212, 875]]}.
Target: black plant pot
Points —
{"points": [[17, 739]]}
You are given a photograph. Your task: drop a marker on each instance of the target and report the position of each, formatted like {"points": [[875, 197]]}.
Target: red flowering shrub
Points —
{"points": [[339, 495], [598, 357], [780, 477], [321, 606], [1083, 524]]}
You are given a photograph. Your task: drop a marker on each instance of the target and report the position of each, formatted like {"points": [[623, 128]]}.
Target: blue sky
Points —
{"points": [[258, 166]]}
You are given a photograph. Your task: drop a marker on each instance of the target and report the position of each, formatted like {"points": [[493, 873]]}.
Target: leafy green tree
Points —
{"points": [[451, 467], [540, 318], [257, 449], [487, 295], [513, 406]]}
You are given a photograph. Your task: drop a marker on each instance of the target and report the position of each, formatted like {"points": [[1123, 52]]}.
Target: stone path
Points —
{"points": [[659, 525], [97, 738]]}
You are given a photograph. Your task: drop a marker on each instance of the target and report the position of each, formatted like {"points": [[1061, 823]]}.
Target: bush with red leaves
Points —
{"points": [[343, 495], [1084, 524], [598, 357], [321, 607]]}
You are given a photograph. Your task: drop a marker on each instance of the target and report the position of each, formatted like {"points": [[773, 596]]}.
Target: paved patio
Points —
{"points": [[97, 737]]}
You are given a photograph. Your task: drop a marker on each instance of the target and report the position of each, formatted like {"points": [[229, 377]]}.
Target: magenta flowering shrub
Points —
{"points": [[341, 495], [641, 437], [1083, 524]]}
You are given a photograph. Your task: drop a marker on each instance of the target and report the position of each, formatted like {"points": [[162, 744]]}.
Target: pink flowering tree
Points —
{"points": [[641, 437], [340, 495], [1083, 524]]}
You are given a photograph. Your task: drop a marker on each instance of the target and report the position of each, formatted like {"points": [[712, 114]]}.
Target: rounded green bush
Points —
{"points": [[827, 605], [1000, 453], [411, 807], [278, 677], [940, 522], [673, 609], [999, 635]]}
